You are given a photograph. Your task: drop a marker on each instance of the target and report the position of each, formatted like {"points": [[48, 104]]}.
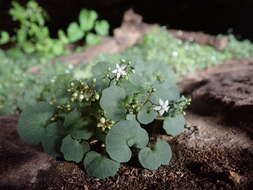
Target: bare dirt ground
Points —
{"points": [[214, 152]]}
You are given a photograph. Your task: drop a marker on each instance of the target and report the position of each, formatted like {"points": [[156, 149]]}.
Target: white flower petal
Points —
{"points": [[123, 73], [120, 70], [160, 102], [161, 112], [115, 71], [123, 67], [157, 108]]}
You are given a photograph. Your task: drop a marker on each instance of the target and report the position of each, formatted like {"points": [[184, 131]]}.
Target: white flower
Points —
{"points": [[174, 54], [120, 70], [81, 97], [162, 107], [70, 67]]}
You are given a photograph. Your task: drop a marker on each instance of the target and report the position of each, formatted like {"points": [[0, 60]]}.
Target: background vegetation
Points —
{"points": [[27, 49]]}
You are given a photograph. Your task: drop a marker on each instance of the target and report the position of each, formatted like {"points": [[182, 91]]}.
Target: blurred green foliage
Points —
{"points": [[17, 86], [33, 36], [182, 56]]}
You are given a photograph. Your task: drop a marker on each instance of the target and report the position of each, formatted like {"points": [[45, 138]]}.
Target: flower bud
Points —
{"points": [[97, 96], [102, 120]]}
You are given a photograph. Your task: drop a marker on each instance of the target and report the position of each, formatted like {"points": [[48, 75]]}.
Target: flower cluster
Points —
{"points": [[122, 70]]}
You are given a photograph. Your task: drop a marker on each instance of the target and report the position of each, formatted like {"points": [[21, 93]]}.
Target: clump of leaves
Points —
{"points": [[238, 49], [18, 88], [181, 56], [33, 35], [100, 121], [87, 22]]}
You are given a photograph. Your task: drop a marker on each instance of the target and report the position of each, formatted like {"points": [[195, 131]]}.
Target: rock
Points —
{"points": [[226, 88], [19, 163], [201, 38], [131, 30]]}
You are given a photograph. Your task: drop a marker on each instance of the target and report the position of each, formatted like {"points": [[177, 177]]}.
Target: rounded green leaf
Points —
{"points": [[51, 142], [130, 117], [100, 166], [152, 72], [111, 100], [28, 47], [174, 125], [84, 133], [102, 27], [153, 158], [165, 92], [62, 37], [32, 122], [140, 139], [92, 39], [123, 135], [74, 32], [130, 86], [73, 150], [51, 145], [87, 19], [71, 118], [21, 36], [146, 115], [4, 37], [77, 127]]}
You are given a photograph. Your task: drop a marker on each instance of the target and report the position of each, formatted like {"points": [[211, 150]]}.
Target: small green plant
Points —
{"points": [[33, 35], [100, 121], [87, 22]]}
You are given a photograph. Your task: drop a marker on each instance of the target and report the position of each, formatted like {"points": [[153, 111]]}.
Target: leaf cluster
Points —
{"points": [[19, 88], [100, 121], [33, 36]]}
